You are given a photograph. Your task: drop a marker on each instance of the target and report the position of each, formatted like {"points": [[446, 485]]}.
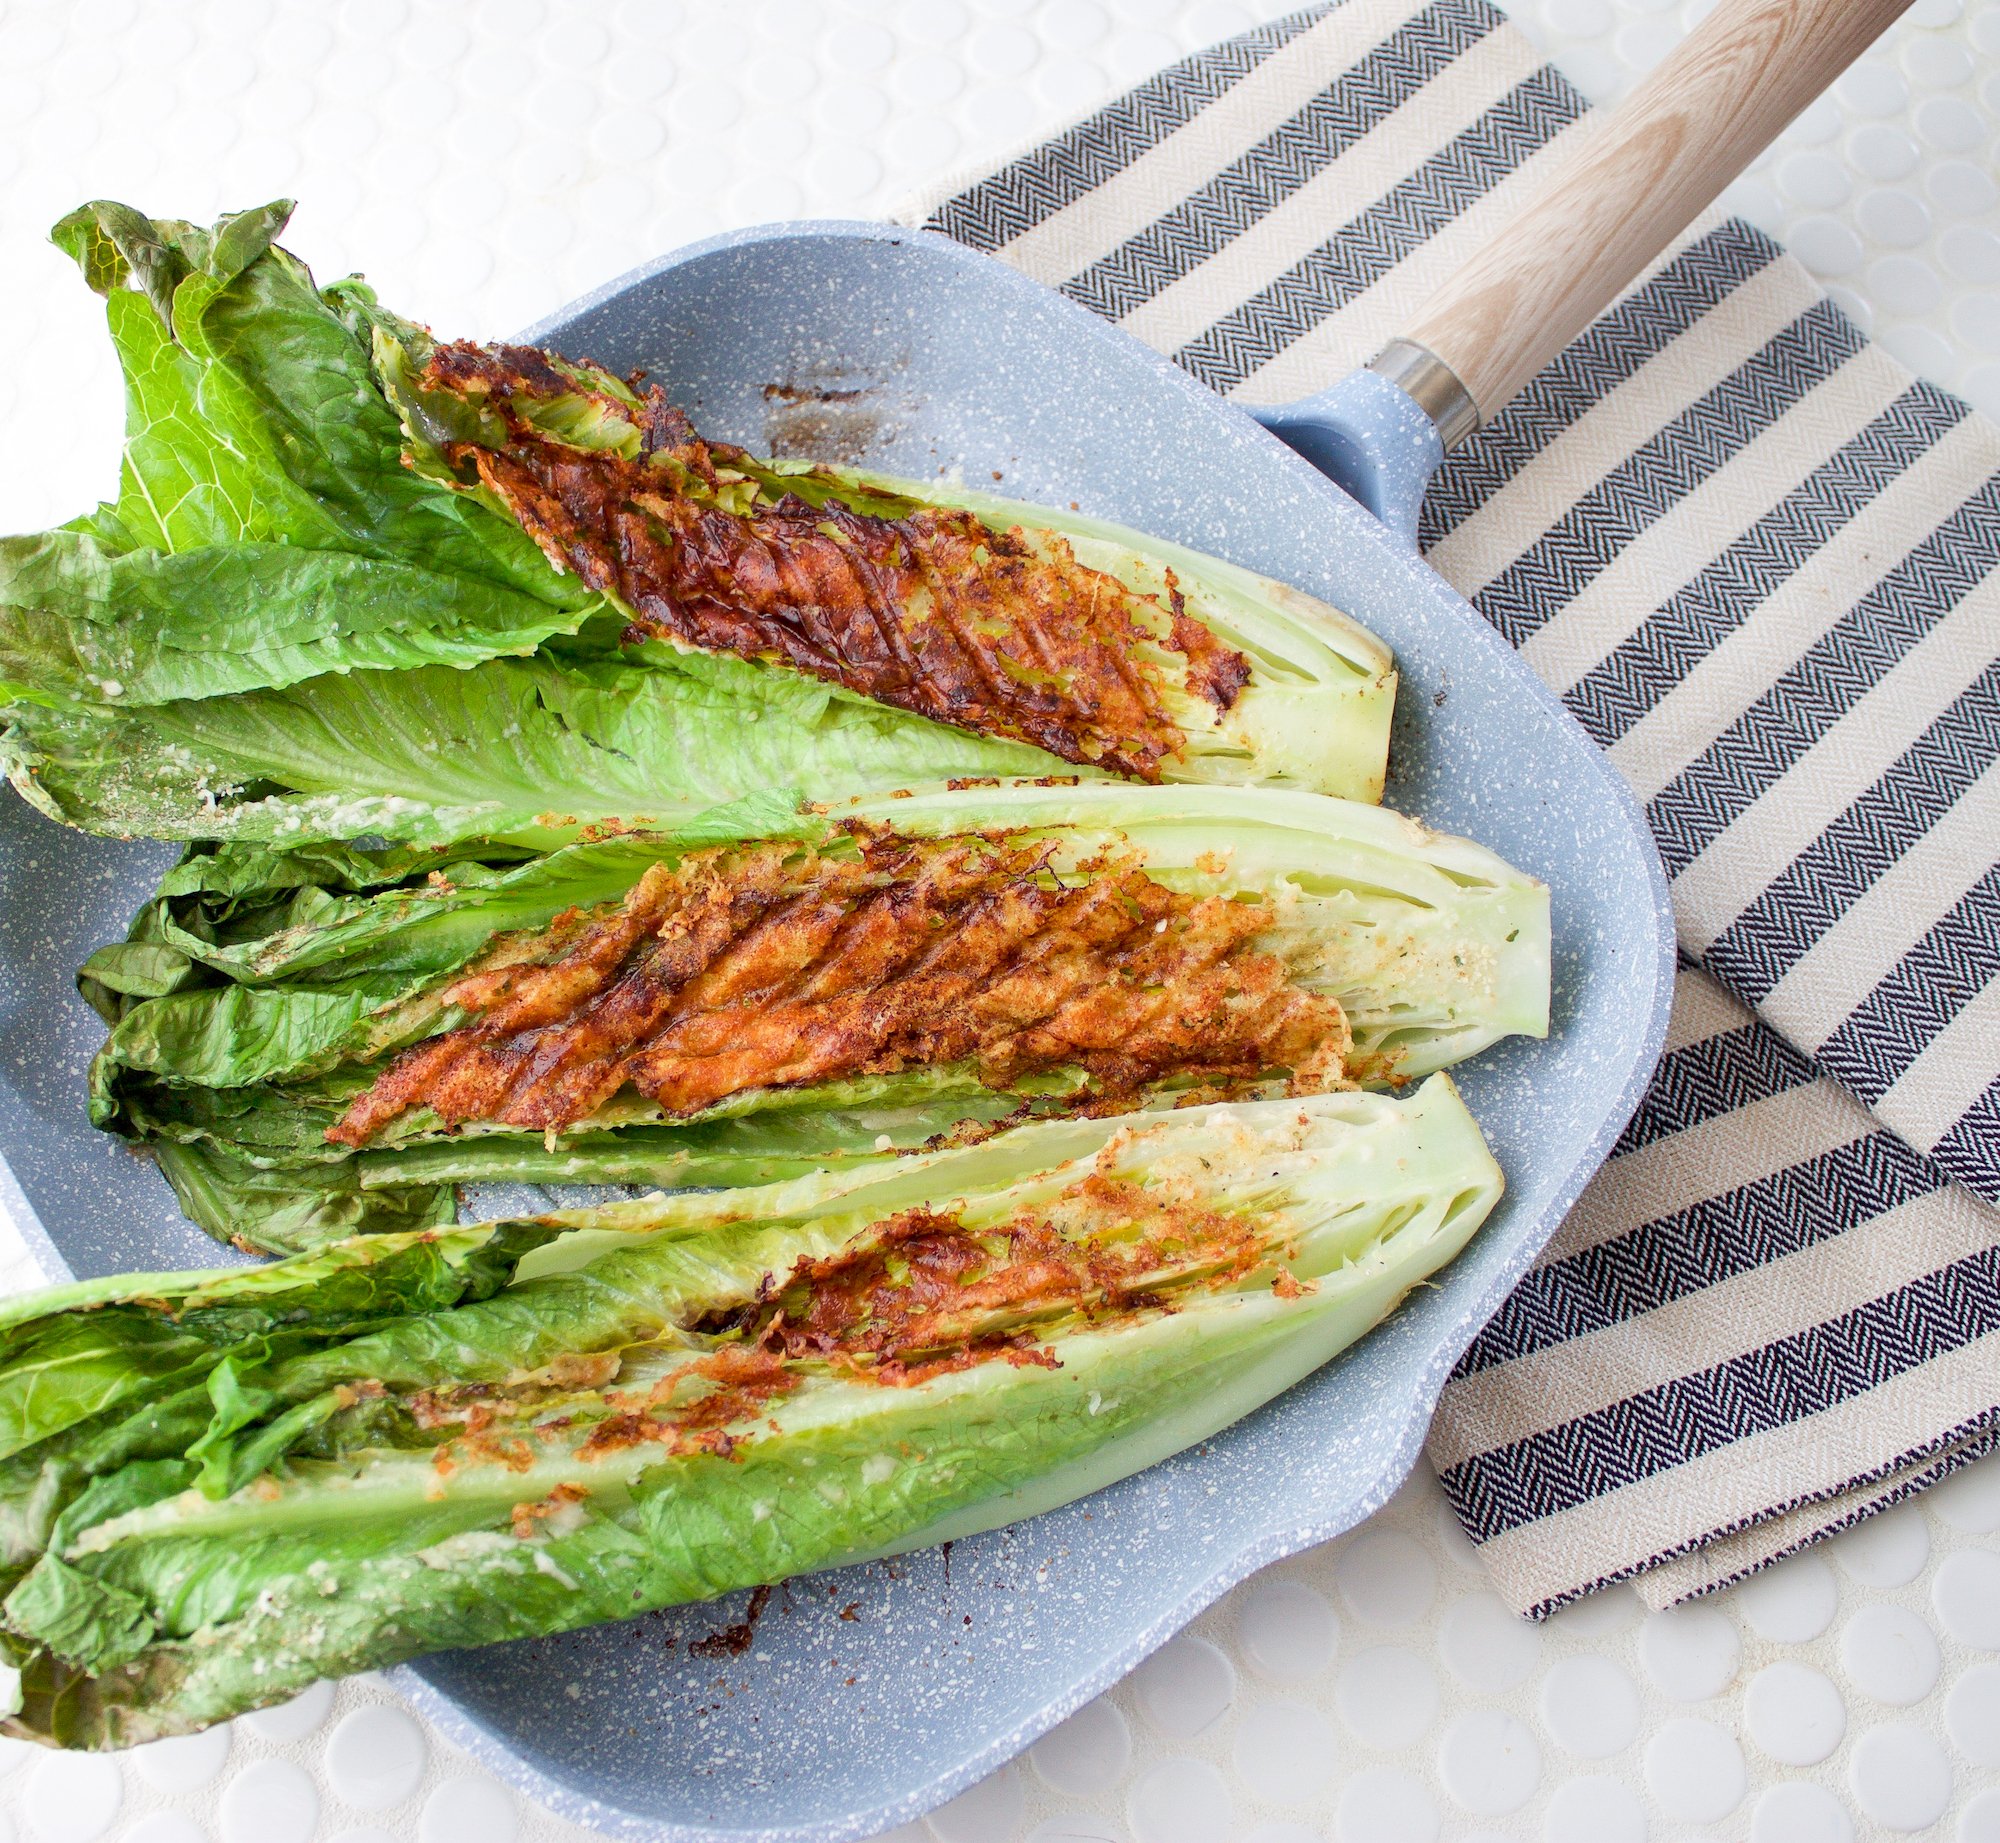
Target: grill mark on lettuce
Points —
{"points": [[774, 966], [927, 609]]}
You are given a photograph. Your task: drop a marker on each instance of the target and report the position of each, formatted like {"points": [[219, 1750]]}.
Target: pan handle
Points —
{"points": [[1634, 183]]}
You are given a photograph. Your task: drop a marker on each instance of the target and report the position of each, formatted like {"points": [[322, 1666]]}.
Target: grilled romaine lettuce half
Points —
{"points": [[216, 1488], [306, 615], [325, 1041], [1108, 649]]}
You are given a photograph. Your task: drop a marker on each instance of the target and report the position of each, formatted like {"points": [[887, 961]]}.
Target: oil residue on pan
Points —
{"points": [[825, 410]]}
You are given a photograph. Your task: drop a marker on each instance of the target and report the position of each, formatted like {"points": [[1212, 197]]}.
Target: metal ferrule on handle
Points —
{"points": [[1432, 386]]}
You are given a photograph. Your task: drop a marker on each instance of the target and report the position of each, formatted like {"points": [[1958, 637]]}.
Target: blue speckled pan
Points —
{"points": [[913, 354]]}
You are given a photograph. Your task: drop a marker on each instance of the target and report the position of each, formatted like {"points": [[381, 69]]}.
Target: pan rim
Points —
{"points": [[489, 1743]]}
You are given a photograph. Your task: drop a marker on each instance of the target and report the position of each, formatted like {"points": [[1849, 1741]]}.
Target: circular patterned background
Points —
{"points": [[1371, 1691]]}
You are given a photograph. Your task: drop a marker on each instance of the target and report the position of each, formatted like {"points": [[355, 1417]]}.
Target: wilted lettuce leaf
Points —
{"points": [[146, 627], [531, 748]]}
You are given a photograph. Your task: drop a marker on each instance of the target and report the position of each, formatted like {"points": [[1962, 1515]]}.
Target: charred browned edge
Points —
{"points": [[506, 369], [734, 1640], [1214, 671], [917, 1295], [932, 612], [779, 964]]}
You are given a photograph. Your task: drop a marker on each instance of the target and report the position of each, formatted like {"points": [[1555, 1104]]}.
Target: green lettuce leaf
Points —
{"points": [[341, 1461], [253, 412], [157, 627], [527, 749]]}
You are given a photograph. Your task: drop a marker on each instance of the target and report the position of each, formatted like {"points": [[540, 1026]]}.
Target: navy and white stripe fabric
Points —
{"points": [[1761, 562], [1766, 1316]]}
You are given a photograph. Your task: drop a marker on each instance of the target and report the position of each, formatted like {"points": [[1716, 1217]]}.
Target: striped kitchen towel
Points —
{"points": [[1761, 562]]}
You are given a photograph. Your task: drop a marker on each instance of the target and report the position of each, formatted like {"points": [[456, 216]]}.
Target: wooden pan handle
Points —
{"points": [[1631, 188]]}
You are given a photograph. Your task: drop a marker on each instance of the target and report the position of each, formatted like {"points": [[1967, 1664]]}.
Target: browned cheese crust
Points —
{"points": [[924, 1292], [779, 964], [932, 612], [917, 1295]]}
